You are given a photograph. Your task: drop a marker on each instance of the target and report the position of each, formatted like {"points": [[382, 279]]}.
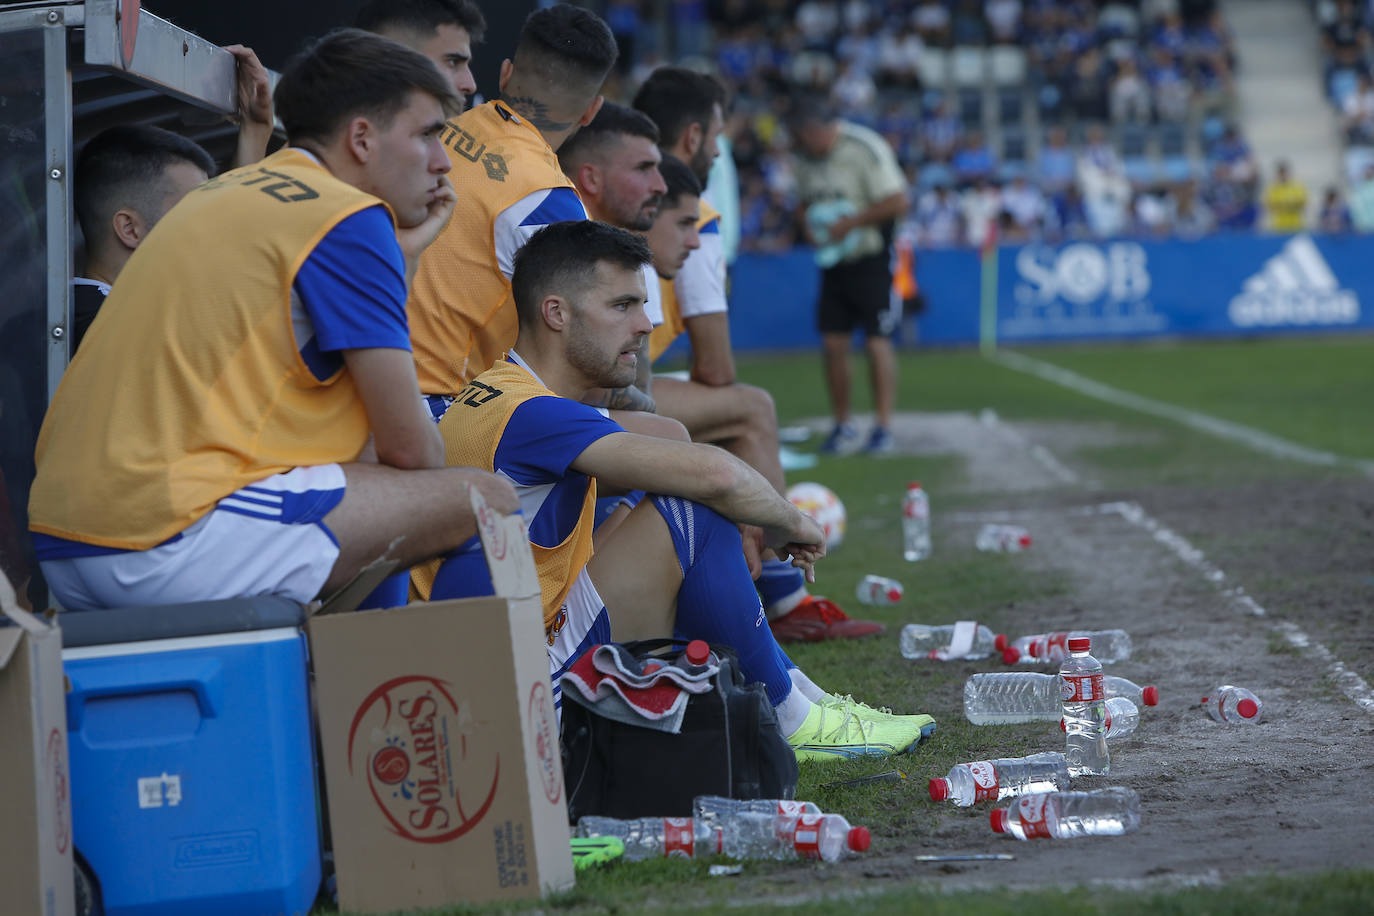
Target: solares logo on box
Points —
{"points": [[410, 740]]}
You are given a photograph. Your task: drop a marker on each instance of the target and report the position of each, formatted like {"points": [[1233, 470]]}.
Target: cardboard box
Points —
{"points": [[440, 742], [35, 813]]}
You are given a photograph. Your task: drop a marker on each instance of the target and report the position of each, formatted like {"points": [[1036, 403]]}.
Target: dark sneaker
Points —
{"points": [[879, 442], [843, 440], [817, 619]]}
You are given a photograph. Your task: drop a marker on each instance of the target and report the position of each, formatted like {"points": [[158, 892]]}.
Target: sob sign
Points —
{"points": [[1082, 273], [408, 741]]}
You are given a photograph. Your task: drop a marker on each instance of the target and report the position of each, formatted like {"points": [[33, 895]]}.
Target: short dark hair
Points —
{"points": [[561, 259], [566, 42], [680, 179], [348, 73], [611, 121], [421, 16], [121, 166], [676, 98]]}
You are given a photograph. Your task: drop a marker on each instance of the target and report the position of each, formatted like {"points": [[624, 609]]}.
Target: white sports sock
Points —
{"points": [[792, 712], [807, 686], [788, 604]]}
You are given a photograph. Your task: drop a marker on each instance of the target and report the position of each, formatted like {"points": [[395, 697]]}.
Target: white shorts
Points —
{"points": [[269, 538], [584, 624]]}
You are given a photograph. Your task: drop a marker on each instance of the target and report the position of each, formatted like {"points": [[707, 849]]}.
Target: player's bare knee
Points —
{"points": [[496, 491], [664, 427], [762, 412]]}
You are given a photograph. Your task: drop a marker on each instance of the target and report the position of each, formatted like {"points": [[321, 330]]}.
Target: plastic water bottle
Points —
{"points": [[879, 591], [1122, 718], [1065, 815], [990, 780], [1108, 646], [713, 809], [1233, 705], [1009, 697], [656, 837], [1085, 711], [921, 641], [915, 523], [1003, 539], [749, 835]]}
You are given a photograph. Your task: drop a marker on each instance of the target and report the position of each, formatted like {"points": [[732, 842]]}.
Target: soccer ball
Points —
{"points": [[821, 503]]}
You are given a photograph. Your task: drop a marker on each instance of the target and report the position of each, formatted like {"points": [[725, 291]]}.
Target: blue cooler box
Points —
{"points": [[192, 764]]}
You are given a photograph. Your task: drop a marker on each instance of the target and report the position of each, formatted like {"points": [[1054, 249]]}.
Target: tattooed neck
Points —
{"points": [[536, 112]]}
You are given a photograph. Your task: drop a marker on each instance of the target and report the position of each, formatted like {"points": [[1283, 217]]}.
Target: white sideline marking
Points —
{"points": [[1350, 683], [1224, 429], [1043, 456]]}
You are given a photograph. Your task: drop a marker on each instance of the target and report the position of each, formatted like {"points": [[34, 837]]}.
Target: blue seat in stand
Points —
{"points": [[193, 782]]}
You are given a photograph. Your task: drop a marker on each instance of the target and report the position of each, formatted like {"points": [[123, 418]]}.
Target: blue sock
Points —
{"points": [[717, 601], [393, 592], [781, 583]]}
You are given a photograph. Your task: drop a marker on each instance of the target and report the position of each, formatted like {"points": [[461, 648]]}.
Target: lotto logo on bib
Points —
{"points": [[984, 780], [1081, 688], [1032, 811], [413, 744]]}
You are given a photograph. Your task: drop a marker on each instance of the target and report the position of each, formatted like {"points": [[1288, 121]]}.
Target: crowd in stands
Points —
{"points": [[1049, 119], [1349, 83]]}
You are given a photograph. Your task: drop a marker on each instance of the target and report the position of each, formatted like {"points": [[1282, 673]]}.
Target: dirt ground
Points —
{"points": [[1296, 791]]}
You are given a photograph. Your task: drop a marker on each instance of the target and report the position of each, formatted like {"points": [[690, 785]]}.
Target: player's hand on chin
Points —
{"points": [[415, 239]]}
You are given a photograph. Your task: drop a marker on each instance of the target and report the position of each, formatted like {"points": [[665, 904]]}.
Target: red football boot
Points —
{"points": [[816, 619]]}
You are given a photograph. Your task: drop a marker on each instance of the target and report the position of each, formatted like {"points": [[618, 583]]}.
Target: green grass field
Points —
{"points": [[1315, 392]]}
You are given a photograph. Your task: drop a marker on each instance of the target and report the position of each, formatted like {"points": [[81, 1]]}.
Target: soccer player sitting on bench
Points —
{"points": [[206, 443], [675, 565]]}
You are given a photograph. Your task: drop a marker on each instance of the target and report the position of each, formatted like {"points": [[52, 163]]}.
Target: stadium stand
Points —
{"points": [[973, 94]]}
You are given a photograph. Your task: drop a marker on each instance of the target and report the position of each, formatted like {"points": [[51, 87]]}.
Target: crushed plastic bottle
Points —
{"points": [[711, 809], [1085, 711], [656, 837], [1233, 705], [1122, 718], [915, 523], [1009, 697], [749, 835], [876, 590], [1053, 648], [1002, 539], [965, 639], [990, 780], [1066, 815]]}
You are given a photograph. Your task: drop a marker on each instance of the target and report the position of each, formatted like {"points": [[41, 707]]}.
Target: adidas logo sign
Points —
{"points": [[1295, 287]]}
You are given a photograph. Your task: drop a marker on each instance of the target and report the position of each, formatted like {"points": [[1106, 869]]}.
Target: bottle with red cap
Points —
{"points": [[1122, 718], [877, 590], [1052, 648], [990, 780], [1002, 539], [655, 837], [1066, 815], [1233, 705], [1009, 697], [1085, 711], [697, 654], [749, 835], [963, 639]]}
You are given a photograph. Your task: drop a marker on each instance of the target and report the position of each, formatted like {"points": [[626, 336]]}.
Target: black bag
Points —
{"points": [[729, 745]]}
